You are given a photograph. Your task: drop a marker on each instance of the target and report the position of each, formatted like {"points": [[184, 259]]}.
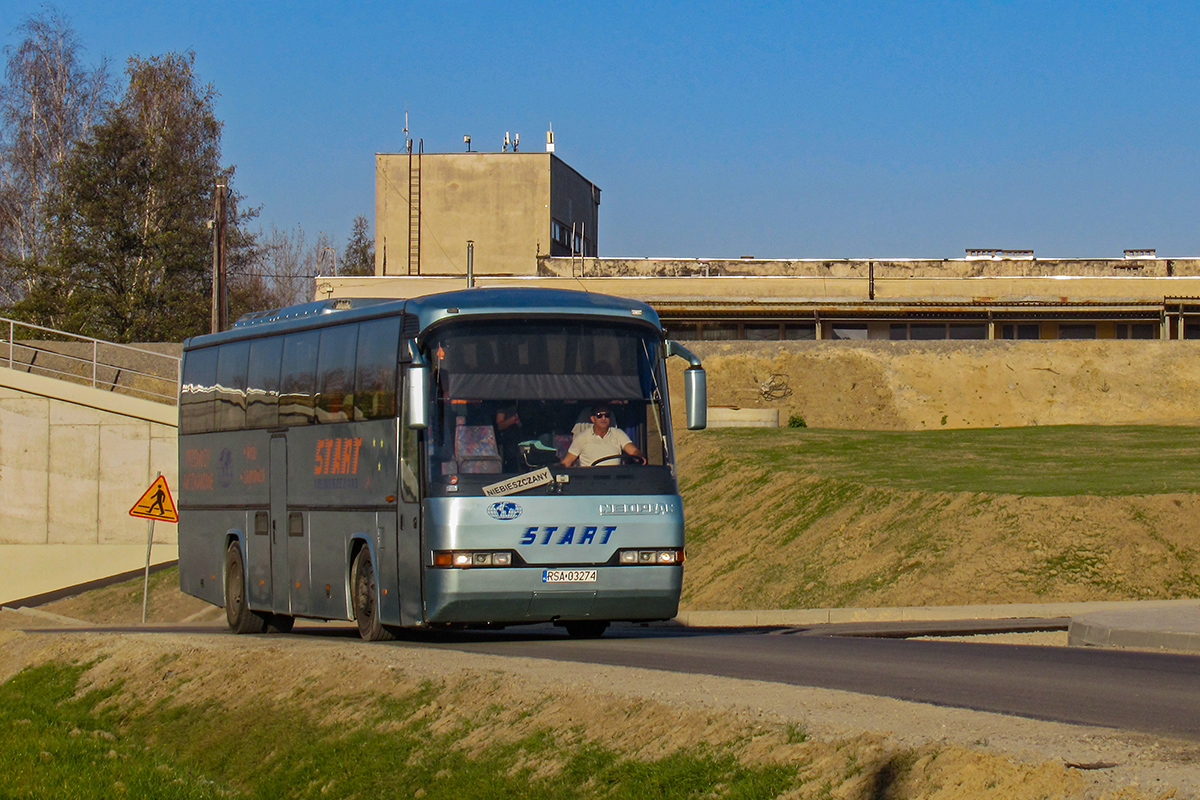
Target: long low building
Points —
{"points": [[978, 297]]}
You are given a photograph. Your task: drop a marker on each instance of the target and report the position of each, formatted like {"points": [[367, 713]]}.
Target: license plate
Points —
{"points": [[568, 576]]}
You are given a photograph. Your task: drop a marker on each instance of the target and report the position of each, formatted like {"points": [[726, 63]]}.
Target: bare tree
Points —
{"points": [[288, 264], [48, 103]]}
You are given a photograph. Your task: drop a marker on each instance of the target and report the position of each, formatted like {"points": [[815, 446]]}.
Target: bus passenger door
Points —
{"points": [[409, 563], [279, 534]]}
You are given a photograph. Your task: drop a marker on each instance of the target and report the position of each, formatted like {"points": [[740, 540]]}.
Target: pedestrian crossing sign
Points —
{"points": [[156, 503]]}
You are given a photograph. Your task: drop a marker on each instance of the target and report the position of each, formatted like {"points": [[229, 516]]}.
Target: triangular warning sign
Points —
{"points": [[156, 503]]}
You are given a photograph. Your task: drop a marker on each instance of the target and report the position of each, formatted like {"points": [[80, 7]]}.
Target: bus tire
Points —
{"points": [[366, 613], [237, 611], [586, 629], [280, 623]]}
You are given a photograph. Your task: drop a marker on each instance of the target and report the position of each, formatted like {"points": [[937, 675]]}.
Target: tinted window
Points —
{"points": [[375, 378], [197, 391], [230, 412], [335, 373], [298, 378], [262, 395]]}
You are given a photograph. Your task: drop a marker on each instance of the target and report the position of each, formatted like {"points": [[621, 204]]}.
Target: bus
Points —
{"points": [[400, 464]]}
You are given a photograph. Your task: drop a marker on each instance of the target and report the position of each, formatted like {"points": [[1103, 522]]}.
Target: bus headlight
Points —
{"points": [[673, 555], [464, 559]]}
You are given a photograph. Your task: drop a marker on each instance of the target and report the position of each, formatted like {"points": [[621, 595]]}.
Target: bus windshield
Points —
{"points": [[512, 395]]}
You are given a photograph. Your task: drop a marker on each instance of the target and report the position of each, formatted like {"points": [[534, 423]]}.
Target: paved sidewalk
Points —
{"points": [[1151, 624], [1174, 628]]}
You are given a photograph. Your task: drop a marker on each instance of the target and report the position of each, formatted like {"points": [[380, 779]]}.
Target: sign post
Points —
{"points": [[158, 496]]}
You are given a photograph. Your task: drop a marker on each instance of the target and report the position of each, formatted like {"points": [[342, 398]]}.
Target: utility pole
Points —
{"points": [[220, 299]]}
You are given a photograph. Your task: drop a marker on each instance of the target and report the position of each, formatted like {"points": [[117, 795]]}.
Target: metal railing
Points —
{"points": [[103, 365]]}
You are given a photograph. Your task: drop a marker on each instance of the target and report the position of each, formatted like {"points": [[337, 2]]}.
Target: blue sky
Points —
{"points": [[808, 129]]}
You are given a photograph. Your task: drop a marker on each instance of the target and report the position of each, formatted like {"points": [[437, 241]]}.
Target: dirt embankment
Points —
{"points": [[882, 385], [765, 539]]}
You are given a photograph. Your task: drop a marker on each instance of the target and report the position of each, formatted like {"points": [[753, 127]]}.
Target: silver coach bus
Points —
{"points": [[398, 463]]}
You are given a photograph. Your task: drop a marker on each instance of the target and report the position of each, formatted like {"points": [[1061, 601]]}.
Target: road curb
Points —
{"points": [[1163, 629], [824, 616]]}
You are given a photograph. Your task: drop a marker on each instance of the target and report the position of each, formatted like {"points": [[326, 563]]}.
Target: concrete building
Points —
{"points": [[534, 221], [514, 206], [713, 299]]}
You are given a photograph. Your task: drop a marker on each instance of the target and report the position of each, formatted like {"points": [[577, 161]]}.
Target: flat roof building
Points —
{"points": [[515, 207]]}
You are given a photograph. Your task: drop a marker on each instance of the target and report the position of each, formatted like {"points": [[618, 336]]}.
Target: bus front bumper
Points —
{"points": [[518, 595]]}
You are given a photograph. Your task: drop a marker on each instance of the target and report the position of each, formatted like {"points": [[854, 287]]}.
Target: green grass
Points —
{"points": [[55, 744], [58, 742], [1046, 461]]}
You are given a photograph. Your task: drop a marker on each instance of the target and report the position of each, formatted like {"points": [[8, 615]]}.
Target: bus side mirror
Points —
{"points": [[416, 397], [695, 387], [695, 395]]}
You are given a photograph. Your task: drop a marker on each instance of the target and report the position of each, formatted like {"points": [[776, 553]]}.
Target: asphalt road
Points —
{"points": [[1147, 692]]}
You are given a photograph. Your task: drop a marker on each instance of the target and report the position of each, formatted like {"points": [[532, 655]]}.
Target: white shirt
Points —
{"points": [[589, 448]]}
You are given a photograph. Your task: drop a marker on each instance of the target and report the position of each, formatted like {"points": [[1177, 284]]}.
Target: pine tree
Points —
{"points": [[359, 258]]}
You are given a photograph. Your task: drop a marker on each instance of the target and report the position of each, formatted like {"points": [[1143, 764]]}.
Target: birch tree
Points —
{"points": [[48, 102]]}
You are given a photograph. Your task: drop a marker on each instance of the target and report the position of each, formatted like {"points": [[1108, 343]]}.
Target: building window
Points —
{"points": [[560, 233], [845, 331], [1137, 330], [800, 332], [1076, 331], [760, 333], [975, 331], [1026, 331], [719, 331], [682, 331], [921, 331]]}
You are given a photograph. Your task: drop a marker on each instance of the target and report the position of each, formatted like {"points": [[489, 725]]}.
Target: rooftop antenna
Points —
{"points": [[550, 139], [407, 141], [516, 141], [467, 141], [505, 150]]}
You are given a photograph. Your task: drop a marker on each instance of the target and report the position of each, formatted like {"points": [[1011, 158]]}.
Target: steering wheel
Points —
{"points": [[626, 458]]}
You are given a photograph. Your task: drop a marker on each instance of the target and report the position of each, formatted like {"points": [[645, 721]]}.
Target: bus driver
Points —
{"points": [[601, 444]]}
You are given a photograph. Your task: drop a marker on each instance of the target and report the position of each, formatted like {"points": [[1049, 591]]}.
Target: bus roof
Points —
{"points": [[436, 308]]}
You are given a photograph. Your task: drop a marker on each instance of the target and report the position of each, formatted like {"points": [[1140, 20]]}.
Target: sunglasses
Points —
{"points": [[601, 414]]}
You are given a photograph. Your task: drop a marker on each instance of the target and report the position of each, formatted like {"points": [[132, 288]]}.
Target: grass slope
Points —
{"points": [[795, 518]]}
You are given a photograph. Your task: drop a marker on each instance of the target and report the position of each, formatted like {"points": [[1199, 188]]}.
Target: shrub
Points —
{"points": [[796, 421]]}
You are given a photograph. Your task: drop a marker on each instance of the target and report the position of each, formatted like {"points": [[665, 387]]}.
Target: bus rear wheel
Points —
{"points": [[366, 613], [586, 629], [237, 612]]}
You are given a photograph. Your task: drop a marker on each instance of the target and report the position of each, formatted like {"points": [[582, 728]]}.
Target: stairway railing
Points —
{"points": [[108, 366]]}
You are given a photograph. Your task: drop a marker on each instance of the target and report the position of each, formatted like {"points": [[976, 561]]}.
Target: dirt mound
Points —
{"points": [[780, 539]]}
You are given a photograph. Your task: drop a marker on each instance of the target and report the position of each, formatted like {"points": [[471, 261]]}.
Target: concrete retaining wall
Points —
{"points": [[73, 461], [883, 385]]}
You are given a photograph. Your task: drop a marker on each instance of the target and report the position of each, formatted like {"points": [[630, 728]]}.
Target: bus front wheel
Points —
{"points": [[237, 613], [366, 613]]}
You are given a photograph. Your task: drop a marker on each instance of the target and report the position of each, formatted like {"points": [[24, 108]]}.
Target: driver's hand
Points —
{"points": [[639, 460]]}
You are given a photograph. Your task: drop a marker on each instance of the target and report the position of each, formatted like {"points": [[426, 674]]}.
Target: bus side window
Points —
{"points": [[375, 377], [298, 378], [335, 374], [230, 411], [198, 390], [262, 395]]}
